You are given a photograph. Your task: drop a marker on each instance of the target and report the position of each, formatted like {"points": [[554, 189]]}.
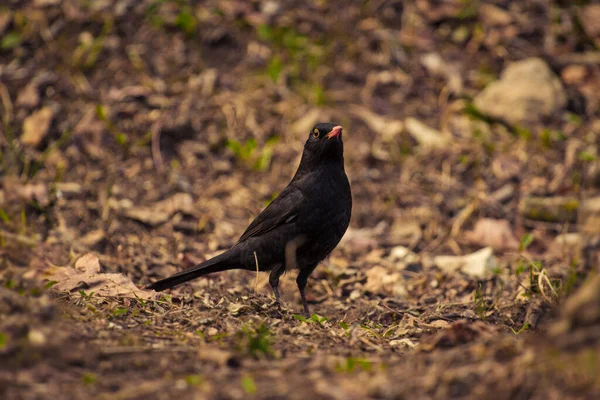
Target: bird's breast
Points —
{"points": [[328, 211]]}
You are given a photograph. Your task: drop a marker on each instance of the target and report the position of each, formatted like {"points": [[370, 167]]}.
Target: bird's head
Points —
{"points": [[324, 144]]}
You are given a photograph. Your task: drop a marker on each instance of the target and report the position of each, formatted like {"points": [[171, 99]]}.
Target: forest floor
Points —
{"points": [[141, 137]]}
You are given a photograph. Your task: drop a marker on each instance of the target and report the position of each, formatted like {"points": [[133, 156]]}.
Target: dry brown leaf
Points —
{"points": [[459, 332], [36, 126], [496, 233], [160, 212], [34, 191], [386, 127], [86, 276], [425, 135], [380, 281]]}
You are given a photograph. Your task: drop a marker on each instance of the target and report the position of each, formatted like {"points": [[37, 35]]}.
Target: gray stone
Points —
{"points": [[527, 92]]}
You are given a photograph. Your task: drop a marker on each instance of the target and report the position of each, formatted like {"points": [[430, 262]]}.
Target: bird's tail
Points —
{"points": [[219, 263]]}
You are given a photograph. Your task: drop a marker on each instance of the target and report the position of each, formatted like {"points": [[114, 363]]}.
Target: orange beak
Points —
{"points": [[335, 132]]}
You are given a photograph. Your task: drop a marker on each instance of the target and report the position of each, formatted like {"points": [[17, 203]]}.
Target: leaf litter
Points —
{"points": [[450, 276]]}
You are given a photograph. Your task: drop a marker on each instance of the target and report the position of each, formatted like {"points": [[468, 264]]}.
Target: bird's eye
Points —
{"points": [[316, 133]]}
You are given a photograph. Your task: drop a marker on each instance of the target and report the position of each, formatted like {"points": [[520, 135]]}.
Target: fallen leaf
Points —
{"points": [[386, 127], [147, 215], [380, 281], [506, 167], [34, 192], [424, 135], [235, 308], [178, 202], [496, 233], [306, 122], [436, 65], [92, 238], [405, 342], [402, 254], [160, 212], [590, 21], [459, 332], [86, 273], [36, 126]]}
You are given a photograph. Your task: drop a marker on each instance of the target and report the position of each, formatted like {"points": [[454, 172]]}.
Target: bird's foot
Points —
{"points": [[277, 309], [277, 303], [306, 311]]}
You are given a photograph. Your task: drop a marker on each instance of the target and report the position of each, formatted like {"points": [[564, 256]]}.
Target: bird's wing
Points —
{"points": [[284, 209]]}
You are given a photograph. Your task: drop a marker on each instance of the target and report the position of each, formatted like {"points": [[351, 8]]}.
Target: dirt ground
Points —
{"points": [[140, 137]]}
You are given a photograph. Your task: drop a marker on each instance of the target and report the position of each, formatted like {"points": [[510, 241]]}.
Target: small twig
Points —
{"points": [[586, 58], [7, 103], [370, 344], [156, 156], [132, 350], [19, 238], [398, 312], [543, 277], [462, 217]]}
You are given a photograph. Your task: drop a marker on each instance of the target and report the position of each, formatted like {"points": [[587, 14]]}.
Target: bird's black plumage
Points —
{"points": [[300, 227]]}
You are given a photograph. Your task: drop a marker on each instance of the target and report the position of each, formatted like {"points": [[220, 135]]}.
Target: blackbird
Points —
{"points": [[299, 228]]}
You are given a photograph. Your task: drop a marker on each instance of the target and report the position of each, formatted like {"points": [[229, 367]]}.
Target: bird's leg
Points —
{"points": [[274, 280], [302, 280]]}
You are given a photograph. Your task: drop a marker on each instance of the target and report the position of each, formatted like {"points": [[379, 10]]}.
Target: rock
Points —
{"points": [[426, 136], [480, 264], [36, 127], [527, 92]]}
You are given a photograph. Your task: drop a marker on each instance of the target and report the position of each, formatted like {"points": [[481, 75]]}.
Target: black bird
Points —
{"points": [[299, 228]]}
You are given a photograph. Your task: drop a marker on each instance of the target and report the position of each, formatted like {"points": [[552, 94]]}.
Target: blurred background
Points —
{"points": [[151, 132]]}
